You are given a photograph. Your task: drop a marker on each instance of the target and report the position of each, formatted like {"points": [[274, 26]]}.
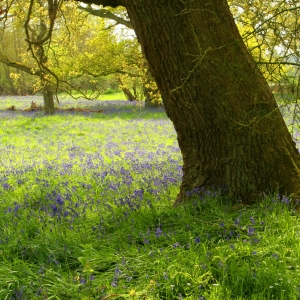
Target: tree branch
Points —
{"points": [[112, 3], [10, 63], [104, 13], [278, 63]]}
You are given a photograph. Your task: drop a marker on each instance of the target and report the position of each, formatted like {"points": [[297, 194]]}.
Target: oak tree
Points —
{"points": [[229, 127]]}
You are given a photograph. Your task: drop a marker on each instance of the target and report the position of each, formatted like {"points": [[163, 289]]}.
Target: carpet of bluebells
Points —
{"points": [[86, 213]]}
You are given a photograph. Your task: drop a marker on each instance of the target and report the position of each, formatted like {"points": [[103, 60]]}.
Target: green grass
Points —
{"points": [[109, 94], [86, 213], [113, 96]]}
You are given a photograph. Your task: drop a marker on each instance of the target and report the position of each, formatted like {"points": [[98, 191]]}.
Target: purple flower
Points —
{"points": [[158, 232], [118, 271], [82, 281], [237, 222], [17, 207], [54, 209], [139, 194], [176, 245], [92, 277], [114, 284], [285, 200], [6, 186], [197, 240], [59, 200], [250, 231]]}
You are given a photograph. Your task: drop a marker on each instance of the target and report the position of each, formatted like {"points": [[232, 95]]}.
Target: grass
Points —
{"points": [[86, 213], [109, 94]]}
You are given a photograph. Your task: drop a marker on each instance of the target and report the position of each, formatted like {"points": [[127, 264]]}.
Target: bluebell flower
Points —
{"points": [[17, 207], [250, 231], [176, 245], [118, 271], [82, 281], [92, 277], [158, 232], [139, 193], [6, 186], [59, 200], [285, 200], [237, 222], [54, 209], [114, 284]]}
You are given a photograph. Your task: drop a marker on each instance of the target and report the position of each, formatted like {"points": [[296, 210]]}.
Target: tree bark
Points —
{"points": [[48, 97], [230, 131], [129, 96]]}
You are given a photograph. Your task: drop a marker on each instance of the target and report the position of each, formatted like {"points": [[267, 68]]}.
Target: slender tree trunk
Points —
{"points": [[10, 81], [230, 130], [48, 96], [129, 96]]}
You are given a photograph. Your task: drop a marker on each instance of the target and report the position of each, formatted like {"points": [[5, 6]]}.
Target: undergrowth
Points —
{"points": [[86, 213]]}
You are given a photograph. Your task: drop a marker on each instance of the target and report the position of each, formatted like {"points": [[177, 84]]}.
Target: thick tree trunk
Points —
{"points": [[230, 130], [48, 97]]}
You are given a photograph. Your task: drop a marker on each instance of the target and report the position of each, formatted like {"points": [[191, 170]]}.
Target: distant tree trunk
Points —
{"points": [[129, 96], [230, 130], [48, 97], [10, 81]]}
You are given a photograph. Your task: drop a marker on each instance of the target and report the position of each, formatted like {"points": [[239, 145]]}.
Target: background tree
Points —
{"points": [[230, 130], [135, 71], [271, 32], [76, 58]]}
